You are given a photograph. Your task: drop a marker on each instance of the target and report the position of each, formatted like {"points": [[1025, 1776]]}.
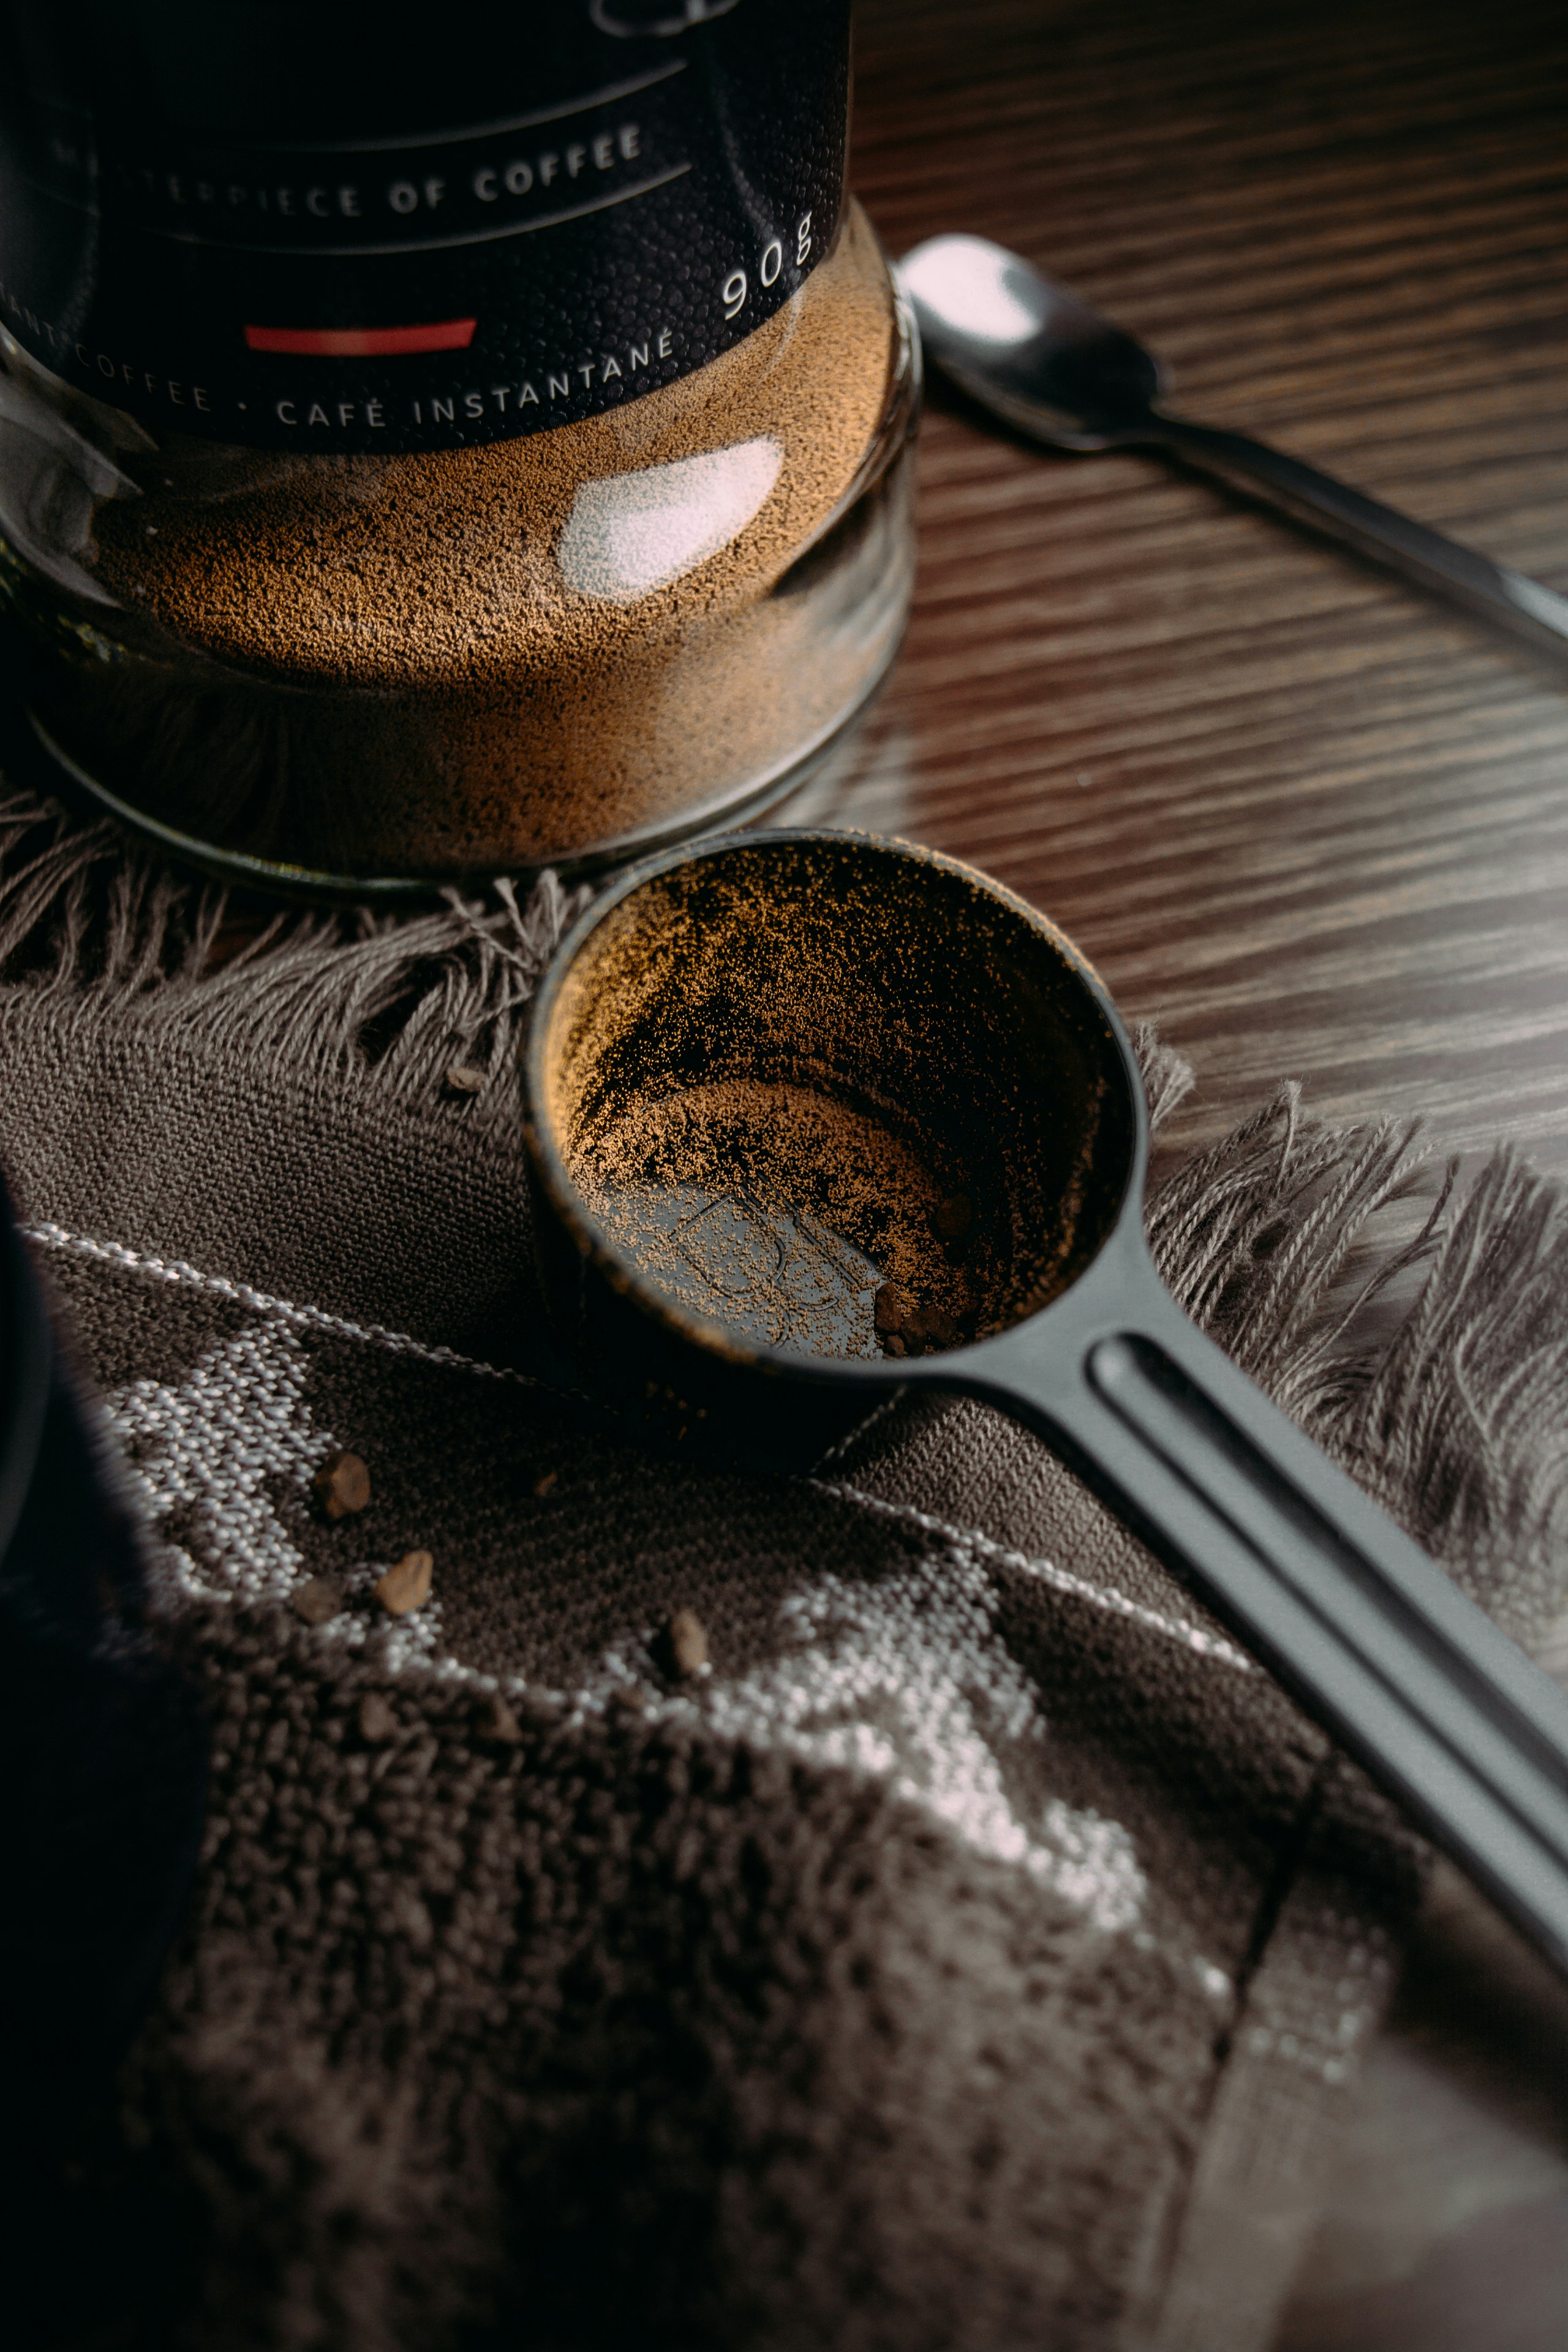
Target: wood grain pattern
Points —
{"points": [[1315, 824], [1314, 821]]}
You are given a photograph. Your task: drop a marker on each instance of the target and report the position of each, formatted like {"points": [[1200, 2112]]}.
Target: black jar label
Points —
{"points": [[339, 228]]}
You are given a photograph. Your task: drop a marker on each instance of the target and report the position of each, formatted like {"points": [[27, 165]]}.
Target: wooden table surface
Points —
{"points": [[1314, 822]]}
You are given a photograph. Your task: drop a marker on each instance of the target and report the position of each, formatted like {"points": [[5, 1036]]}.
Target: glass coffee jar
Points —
{"points": [[430, 461]]}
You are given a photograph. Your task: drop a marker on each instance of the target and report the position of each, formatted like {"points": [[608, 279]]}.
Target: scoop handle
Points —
{"points": [[1352, 1617], [1523, 606]]}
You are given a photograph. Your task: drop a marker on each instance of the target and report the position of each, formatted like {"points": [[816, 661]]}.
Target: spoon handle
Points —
{"points": [[1348, 1613], [1521, 604]]}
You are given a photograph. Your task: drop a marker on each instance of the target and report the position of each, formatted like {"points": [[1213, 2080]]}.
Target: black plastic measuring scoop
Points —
{"points": [[817, 1117]]}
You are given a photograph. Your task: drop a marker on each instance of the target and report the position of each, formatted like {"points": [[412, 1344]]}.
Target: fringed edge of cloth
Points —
{"points": [[339, 1000]]}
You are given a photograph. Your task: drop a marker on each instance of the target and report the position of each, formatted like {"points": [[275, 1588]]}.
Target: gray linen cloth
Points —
{"points": [[976, 1956]]}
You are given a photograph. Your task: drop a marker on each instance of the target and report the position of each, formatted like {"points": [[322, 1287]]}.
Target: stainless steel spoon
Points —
{"points": [[1050, 366]]}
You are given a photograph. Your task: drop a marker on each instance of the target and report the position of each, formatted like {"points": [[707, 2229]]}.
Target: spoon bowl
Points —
{"points": [[1048, 364], [1026, 348]]}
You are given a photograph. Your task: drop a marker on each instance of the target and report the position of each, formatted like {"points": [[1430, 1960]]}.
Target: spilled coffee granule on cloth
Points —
{"points": [[405, 1586], [318, 1600], [976, 1957], [342, 1485], [766, 1081]]}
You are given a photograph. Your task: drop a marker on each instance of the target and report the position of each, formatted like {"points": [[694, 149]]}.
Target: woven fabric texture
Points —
{"points": [[975, 1957]]}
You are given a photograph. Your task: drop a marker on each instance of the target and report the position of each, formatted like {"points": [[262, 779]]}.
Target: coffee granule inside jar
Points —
{"points": [[500, 654]]}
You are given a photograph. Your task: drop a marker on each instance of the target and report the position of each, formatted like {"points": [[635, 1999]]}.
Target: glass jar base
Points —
{"points": [[756, 798]]}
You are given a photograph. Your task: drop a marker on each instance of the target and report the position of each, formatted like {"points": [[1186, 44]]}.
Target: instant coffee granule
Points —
{"points": [[494, 655], [766, 1075], [496, 1724], [318, 1601], [342, 1485], [405, 1586], [684, 1643], [375, 1721], [787, 1212]]}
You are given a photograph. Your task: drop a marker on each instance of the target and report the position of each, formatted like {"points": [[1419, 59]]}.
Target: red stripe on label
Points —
{"points": [[362, 342]]}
